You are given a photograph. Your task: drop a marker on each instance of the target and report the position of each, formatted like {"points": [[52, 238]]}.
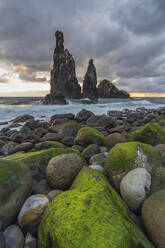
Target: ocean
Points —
{"points": [[11, 107]]}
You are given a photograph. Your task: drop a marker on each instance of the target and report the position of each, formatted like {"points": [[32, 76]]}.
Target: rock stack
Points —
{"points": [[90, 82]]}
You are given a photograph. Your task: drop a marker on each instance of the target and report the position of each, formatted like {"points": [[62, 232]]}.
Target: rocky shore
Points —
{"points": [[83, 180]]}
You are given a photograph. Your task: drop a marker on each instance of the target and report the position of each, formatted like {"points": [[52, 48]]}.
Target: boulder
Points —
{"points": [[158, 180], [90, 82], [98, 159], [69, 128], [89, 135], [63, 74], [91, 214], [135, 187], [41, 187], [153, 216], [53, 193], [49, 144], [14, 237], [151, 133], [25, 147], [125, 157], [90, 151], [107, 89], [113, 139], [54, 98], [23, 118], [97, 167], [15, 186], [8, 148], [31, 212], [83, 115], [62, 170], [38, 161]]}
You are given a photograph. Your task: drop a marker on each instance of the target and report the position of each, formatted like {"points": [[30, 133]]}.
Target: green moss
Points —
{"points": [[38, 161], [89, 135], [151, 134], [51, 144], [124, 155], [91, 215]]}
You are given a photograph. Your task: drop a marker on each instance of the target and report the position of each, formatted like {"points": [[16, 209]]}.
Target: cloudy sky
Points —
{"points": [[126, 38]]}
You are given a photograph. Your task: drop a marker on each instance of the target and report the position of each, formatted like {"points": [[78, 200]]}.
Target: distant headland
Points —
{"points": [[64, 83]]}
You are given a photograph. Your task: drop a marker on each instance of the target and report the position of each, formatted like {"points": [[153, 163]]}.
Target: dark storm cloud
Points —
{"points": [[126, 38]]}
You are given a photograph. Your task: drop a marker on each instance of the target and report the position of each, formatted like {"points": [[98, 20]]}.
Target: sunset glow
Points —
{"points": [[145, 94]]}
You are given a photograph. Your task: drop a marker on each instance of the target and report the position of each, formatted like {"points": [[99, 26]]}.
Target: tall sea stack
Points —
{"points": [[90, 82], [63, 74]]}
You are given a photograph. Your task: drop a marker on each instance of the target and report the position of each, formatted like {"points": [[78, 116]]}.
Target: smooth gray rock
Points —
{"points": [[98, 159], [30, 241], [97, 167], [14, 237]]}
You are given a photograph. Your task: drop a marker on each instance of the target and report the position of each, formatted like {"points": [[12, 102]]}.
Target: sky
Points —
{"points": [[126, 39]]}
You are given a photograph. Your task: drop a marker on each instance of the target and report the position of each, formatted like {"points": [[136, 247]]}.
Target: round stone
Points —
{"points": [[135, 187], [14, 237], [31, 212], [62, 170]]}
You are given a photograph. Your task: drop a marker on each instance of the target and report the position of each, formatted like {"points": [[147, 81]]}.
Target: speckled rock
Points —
{"points": [[31, 212], [135, 187], [62, 170], [15, 183], [14, 237], [92, 215], [153, 216]]}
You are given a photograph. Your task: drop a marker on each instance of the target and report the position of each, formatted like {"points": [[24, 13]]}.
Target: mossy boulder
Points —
{"points": [[91, 214], [15, 186], [49, 144], [151, 133], [89, 135], [38, 161], [127, 156], [69, 128]]}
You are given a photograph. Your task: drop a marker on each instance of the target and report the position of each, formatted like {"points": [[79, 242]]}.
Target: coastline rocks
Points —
{"points": [[69, 128], [49, 144], [113, 139], [90, 82], [15, 186], [14, 237], [25, 147], [90, 151], [8, 148], [30, 215], [52, 194], [98, 159], [62, 170], [135, 187], [54, 98], [83, 115], [107, 89], [125, 157], [151, 133], [97, 167], [23, 118], [63, 75], [153, 216], [91, 214], [38, 161], [89, 135], [158, 180]]}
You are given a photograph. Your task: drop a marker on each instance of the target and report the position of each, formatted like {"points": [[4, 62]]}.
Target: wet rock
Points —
{"points": [[90, 82], [63, 75], [83, 115], [52, 137], [15, 187], [135, 187], [39, 132], [14, 237], [97, 167], [30, 241], [8, 148], [25, 147], [31, 212], [62, 170], [105, 122], [90, 151], [49, 144], [107, 89], [23, 118], [113, 139], [54, 98], [68, 141], [69, 128], [153, 216], [68, 116]]}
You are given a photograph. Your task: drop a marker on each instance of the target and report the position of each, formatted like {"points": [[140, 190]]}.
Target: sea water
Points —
{"points": [[11, 107]]}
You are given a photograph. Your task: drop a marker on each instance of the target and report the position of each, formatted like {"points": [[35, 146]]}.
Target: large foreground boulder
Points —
{"points": [[153, 215], [91, 215], [125, 157], [15, 186]]}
